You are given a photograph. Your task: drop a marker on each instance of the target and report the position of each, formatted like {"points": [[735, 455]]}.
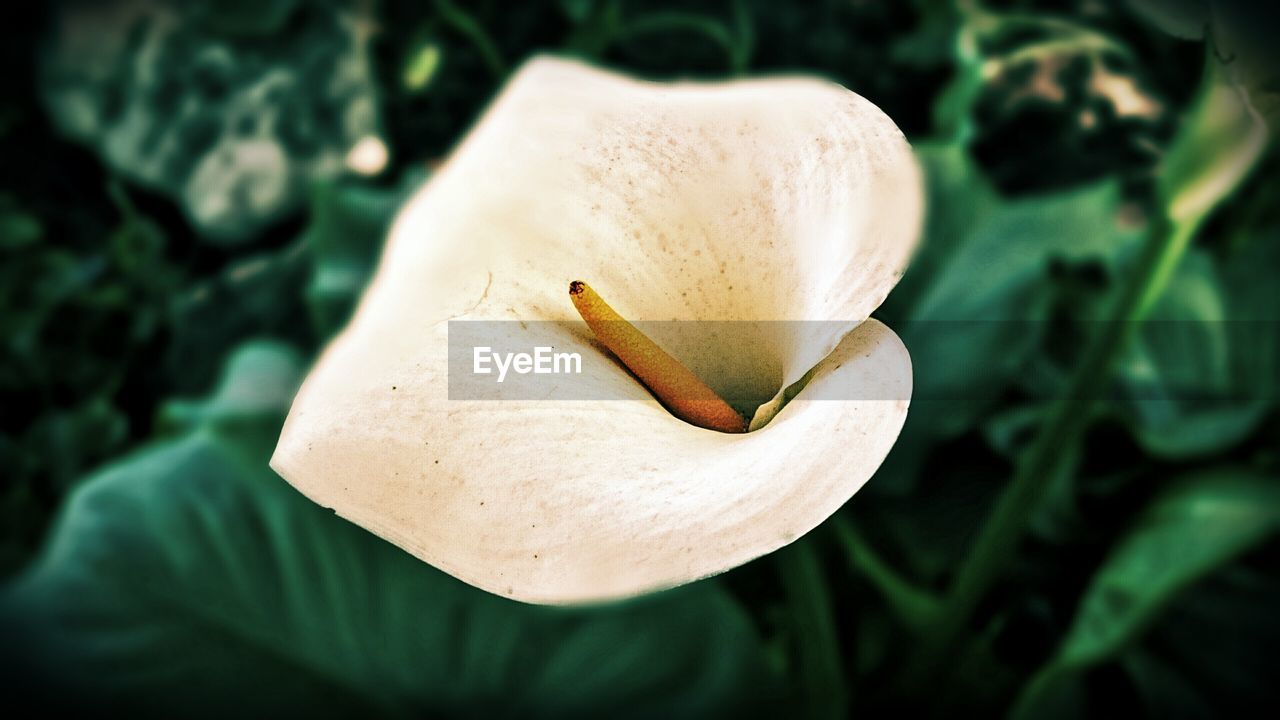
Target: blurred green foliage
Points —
{"points": [[185, 577], [187, 569]]}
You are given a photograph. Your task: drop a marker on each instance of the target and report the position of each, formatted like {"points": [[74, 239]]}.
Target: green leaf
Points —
{"points": [[1198, 377], [345, 234], [254, 296], [1195, 527], [1239, 33], [1217, 642], [1198, 526], [931, 42], [257, 381], [953, 111], [1223, 138], [188, 578], [979, 310], [958, 199]]}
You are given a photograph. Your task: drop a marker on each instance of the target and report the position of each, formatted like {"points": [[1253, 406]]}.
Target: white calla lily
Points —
{"points": [[776, 199]]}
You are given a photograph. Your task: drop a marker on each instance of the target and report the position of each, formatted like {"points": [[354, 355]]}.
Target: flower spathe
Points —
{"points": [[774, 199]]}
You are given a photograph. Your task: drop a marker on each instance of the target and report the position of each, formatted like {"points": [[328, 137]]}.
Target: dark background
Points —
{"points": [[154, 565]]}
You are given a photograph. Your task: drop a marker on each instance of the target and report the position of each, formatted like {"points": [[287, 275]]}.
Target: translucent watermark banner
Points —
{"points": [[745, 362]]}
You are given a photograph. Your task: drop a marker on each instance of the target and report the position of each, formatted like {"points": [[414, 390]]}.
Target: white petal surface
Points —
{"points": [[785, 199]]}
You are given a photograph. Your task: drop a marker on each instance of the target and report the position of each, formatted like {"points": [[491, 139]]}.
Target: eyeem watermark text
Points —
{"points": [[514, 360], [542, 361]]}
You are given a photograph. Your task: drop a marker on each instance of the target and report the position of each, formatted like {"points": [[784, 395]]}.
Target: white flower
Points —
{"points": [[772, 199]]}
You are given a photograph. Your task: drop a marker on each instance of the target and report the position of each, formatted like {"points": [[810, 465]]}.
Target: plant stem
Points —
{"points": [[736, 46], [1061, 432], [462, 21], [912, 606], [818, 653]]}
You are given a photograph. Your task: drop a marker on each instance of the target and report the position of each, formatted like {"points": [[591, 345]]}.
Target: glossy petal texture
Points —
{"points": [[781, 199]]}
